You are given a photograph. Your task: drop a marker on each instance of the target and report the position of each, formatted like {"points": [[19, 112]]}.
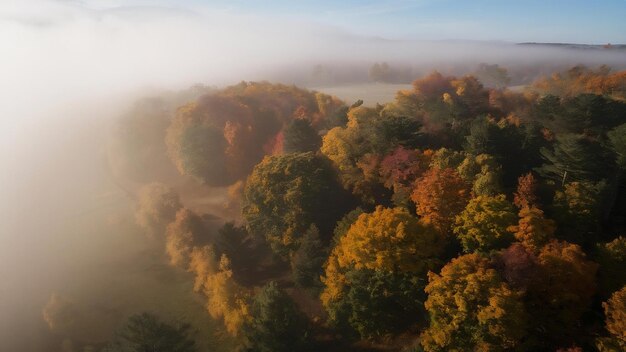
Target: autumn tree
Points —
{"points": [[483, 224], [156, 208], [146, 332], [533, 229], [400, 169], [472, 308], [439, 195], [285, 194], [526, 195], [615, 313], [382, 258], [182, 235], [275, 324], [560, 292]]}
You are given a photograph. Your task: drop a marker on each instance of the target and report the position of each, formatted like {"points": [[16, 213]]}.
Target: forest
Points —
{"points": [[464, 215]]}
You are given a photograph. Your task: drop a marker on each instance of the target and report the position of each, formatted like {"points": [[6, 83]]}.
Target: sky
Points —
{"points": [[573, 21]]}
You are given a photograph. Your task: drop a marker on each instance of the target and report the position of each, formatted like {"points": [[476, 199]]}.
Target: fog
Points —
{"points": [[69, 68]]}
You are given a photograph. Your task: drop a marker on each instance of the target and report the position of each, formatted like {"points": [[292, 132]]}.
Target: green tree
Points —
{"points": [[275, 324], [285, 194], [578, 211], [380, 264], [483, 224], [576, 158], [299, 136], [307, 263], [472, 308], [612, 259], [617, 137], [147, 333]]}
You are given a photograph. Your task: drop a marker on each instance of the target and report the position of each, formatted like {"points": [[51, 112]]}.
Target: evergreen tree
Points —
{"points": [[275, 324]]}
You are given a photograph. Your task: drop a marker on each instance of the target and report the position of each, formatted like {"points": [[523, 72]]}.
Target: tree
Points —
{"points": [[578, 210], [472, 308], [307, 263], [617, 137], [157, 207], [181, 236], [147, 333], [533, 229], [383, 254], [526, 194], [285, 194], [440, 195], [400, 169], [559, 293], [275, 324], [615, 312], [483, 224], [612, 259], [299, 136], [576, 158]]}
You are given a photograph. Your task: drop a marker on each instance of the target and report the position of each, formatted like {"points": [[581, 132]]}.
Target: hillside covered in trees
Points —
{"points": [[461, 216]]}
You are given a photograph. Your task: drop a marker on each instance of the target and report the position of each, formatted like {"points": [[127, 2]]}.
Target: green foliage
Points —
{"points": [[472, 309], [299, 136], [275, 324], [308, 260], [582, 158], [344, 224], [578, 210], [285, 194], [617, 136], [612, 259], [380, 263], [483, 225], [380, 302], [145, 332]]}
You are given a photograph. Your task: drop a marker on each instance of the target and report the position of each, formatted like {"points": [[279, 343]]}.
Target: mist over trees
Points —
{"points": [[462, 215]]}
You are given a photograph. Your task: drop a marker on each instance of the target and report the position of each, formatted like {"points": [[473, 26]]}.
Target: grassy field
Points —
{"points": [[370, 93]]}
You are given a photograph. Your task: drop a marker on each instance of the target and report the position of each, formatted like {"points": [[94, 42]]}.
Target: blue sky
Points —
{"points": [[508, 20]]}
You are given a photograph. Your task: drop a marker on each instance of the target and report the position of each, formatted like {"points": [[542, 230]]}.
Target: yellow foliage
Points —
{"points": [[615, 312], [389, 240], [472, 308], [533, 229]]}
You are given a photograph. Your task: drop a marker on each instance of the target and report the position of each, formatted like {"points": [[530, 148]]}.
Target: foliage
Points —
{"points": [[526, 194], [578, 210], [378, 247], [617, 137], [615, 312], [483, 225], [146, 332], [275, 324], [533, 229], [472, 308], [285, 194], [299, 136], [576, 158], [439, 195], [308, 260], [157, 205], [612, 259], [181, 236]]}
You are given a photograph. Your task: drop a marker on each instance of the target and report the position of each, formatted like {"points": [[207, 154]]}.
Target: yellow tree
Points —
{"points": [[483, 224], [471, 308], [379, 264], [615, 313]]}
